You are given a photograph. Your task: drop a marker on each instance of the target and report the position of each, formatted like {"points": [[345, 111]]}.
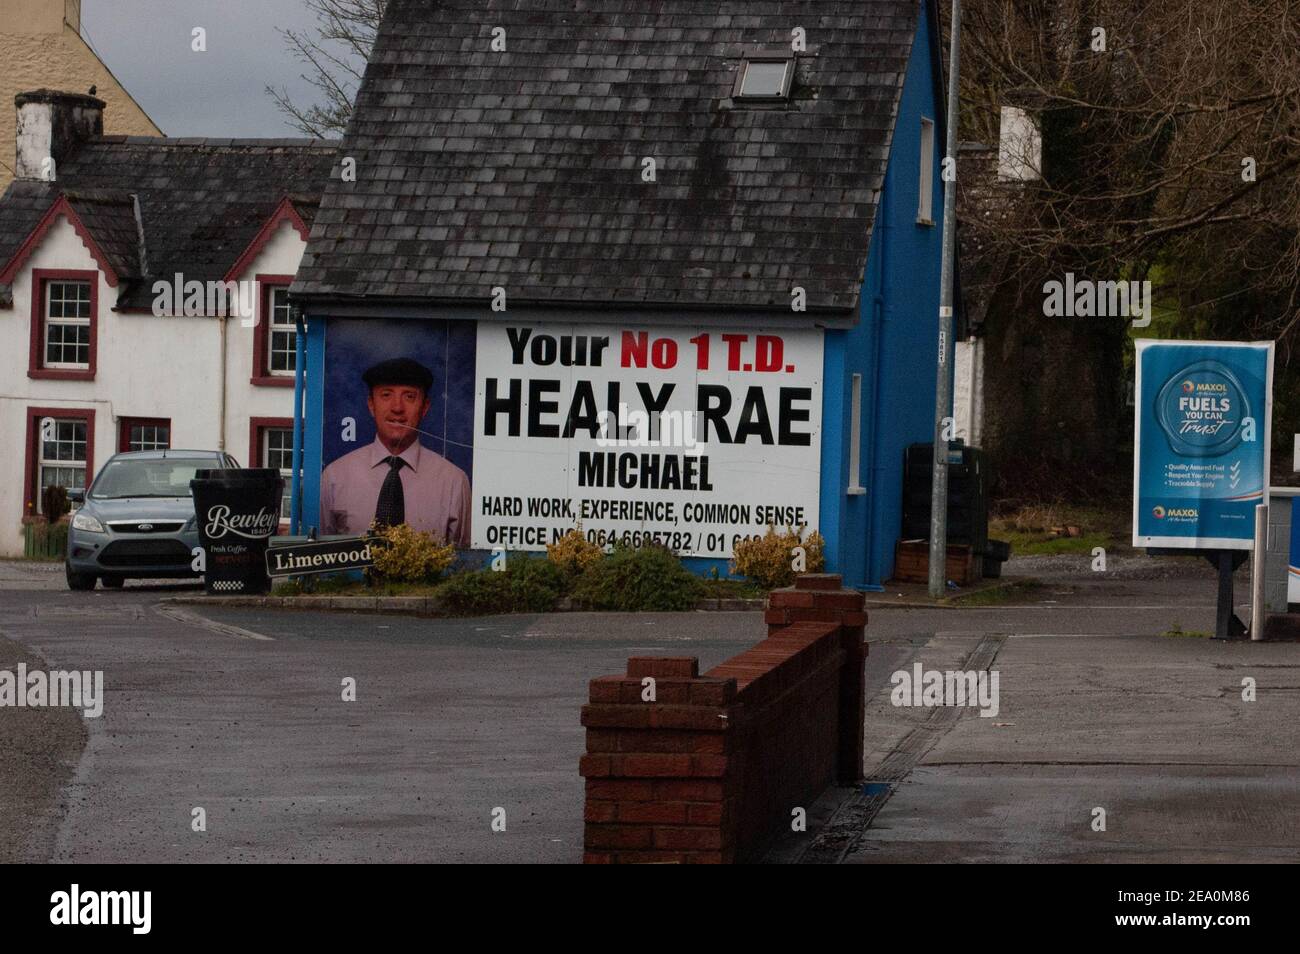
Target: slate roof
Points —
{"points": [[523, 168], [306, 206], [110, 218], [202, 201]]}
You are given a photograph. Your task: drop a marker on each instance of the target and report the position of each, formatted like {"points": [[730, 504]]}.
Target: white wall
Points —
{"points": [[146, 367], [1020, 146], [280, 256]]}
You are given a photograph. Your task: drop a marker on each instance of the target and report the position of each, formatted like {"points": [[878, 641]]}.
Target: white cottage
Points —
{"points": [[143, 297]]}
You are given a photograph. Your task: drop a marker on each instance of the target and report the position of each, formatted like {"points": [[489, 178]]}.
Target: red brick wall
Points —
{"points": [[711, 769]]}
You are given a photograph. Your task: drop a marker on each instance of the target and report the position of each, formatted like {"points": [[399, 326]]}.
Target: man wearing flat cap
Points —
{"points": [[395, 479]]}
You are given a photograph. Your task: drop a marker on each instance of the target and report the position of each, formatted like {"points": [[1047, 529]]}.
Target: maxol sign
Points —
{"points": [[1202, 442]]}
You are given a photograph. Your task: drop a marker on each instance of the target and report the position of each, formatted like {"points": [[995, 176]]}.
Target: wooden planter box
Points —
{"points": [[912, 563]]}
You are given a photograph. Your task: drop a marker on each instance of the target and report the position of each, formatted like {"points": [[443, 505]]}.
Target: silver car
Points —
{"points": [[137, 518]]}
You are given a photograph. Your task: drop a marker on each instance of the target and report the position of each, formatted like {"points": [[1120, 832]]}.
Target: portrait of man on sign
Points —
{"points": [[396, 479]]}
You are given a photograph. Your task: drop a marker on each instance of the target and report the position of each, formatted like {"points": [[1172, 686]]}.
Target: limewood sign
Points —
{"points": [[329, 556]]}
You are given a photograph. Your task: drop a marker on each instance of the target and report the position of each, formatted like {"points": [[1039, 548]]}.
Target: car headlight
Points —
{"points": [[84, 521]]}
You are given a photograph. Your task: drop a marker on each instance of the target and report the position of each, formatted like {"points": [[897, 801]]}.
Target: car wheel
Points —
{"points": [[78, 581], [112, 582]]}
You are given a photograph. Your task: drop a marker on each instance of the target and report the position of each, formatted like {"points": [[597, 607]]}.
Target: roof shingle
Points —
{"points": [[524, 168], [201, 200]]}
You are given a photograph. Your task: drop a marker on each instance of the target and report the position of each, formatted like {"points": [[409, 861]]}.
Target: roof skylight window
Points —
{"points": [[765, 78]]}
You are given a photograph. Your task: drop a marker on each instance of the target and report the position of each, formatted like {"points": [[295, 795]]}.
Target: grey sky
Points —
{"points": [[146, 43]]}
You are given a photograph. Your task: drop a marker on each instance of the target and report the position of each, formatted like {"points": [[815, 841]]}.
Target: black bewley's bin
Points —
{"points": [[237, 511]]}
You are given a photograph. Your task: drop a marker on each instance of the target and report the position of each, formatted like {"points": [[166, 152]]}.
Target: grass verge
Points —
{"points": [[996, 595], [1176, 631], [1051, 529]]}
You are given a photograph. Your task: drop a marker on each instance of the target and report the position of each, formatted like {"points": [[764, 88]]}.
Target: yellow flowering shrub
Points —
{"points": [[405, 555], [573, 552], [770, 560]]}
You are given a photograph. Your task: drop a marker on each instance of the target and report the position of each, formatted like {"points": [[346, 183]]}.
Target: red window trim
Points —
{"points": [[262, 376], [34, 415], [255, 427], [36, 358], [124, 425], [60, 207]]}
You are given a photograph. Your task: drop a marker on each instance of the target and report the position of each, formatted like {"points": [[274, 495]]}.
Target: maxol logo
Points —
{"points": [[1201, 410]]}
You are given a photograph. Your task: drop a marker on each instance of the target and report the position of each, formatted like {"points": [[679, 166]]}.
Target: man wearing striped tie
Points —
{"points": [[395, 479]]}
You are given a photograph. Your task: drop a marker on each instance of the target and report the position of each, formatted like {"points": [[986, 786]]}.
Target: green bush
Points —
{"points": [[533, 585], [636, 579], [526, 585], [473, 593], [54, 502]]}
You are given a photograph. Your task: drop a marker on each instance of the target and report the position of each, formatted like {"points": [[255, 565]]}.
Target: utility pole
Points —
{"points": [[942, 389]]}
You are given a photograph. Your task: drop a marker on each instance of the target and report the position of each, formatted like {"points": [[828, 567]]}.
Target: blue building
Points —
{"points": [[732, 211]]}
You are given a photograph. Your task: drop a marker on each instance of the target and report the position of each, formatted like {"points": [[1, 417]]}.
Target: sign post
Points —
{"points": [[1201, 463], [1257, 573], [943, 380]]}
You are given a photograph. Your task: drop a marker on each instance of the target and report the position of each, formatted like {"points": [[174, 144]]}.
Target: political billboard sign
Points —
{"points": [[509, 434], [1201, 444], [397, 437], [690, 437]]}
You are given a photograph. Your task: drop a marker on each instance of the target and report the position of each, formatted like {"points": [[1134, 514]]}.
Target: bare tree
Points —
{"points": [[334, 55], [1171, 152], [1145, 139]]}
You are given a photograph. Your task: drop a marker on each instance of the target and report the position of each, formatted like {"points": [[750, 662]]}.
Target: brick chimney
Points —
{"points": [[51, 125]]}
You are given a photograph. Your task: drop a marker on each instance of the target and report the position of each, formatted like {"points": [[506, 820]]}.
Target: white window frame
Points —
{"points": [[787, 69], [274, 327], [286, 499], [152, 444], [925, 177], [758, 54], [78, 322], [44, 463], [855, 487]]}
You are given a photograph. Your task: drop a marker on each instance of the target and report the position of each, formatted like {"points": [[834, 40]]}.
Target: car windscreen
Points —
{"points": [[163, 477]]}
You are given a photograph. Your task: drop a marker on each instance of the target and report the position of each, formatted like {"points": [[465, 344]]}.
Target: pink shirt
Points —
{"points": [[436, 492]]}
